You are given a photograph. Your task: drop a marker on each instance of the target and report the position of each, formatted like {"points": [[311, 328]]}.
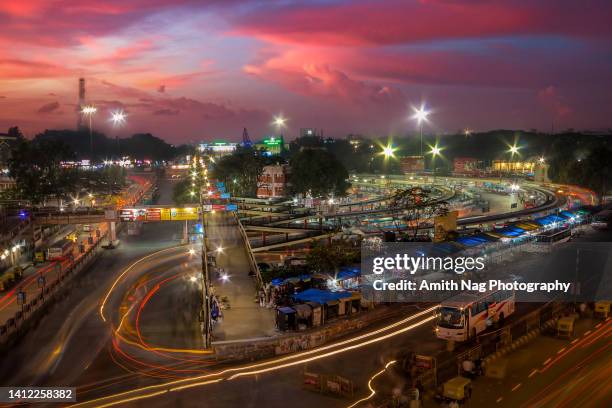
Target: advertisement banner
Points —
{"points": [[153, 214], [183, 214]]}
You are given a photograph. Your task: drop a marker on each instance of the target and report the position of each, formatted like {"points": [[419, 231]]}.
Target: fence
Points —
{"points": [[250, 255], [19, 320]]}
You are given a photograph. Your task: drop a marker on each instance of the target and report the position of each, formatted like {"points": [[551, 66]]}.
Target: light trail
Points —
{"points": [[372, 390], [129, 268], [268, 366]]}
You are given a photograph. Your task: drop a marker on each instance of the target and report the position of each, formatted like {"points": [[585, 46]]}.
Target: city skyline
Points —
{"points": [[193, 70]]}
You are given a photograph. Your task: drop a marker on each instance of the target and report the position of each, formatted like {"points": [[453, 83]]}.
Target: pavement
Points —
{"points": [[554, 372], [244, 319]]}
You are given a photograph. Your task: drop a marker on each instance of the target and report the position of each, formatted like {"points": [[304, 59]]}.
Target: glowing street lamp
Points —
{"points": [[89, 111], [542, 160], [118, 117], [435, 151], [279, 122], [420, 115]]}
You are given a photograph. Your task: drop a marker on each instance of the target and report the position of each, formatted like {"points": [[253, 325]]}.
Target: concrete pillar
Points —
{"points": [[112, 231], [185, 235]]}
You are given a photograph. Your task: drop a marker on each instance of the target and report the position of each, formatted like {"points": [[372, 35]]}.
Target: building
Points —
{"points": [[305, 132], [412, 164], [218, 148], [467, 166], [273, 145], [514, 167], [273, 181], [6, 143]]}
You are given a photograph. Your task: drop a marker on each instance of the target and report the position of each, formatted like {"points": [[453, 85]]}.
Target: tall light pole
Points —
{"points": [[89, 111], [118, 119], [435, 151], [199, 180], [420, 114], [279, 123]]}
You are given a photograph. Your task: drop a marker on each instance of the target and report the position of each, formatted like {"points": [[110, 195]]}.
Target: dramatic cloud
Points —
{"points": [[49, 107], [197, 69]]}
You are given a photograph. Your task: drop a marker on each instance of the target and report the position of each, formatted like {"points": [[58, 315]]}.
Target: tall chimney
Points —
{"points": [[81, 103]]}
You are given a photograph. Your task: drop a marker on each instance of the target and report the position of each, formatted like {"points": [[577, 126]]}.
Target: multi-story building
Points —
{"points": [[273, 145], [218, 148], [273, 181], [6, 143], [412, 164]]}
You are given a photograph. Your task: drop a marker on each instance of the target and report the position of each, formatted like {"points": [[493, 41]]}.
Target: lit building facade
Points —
{"points": [[412, 164], [218, 148], [273, 145], [273, 181]]}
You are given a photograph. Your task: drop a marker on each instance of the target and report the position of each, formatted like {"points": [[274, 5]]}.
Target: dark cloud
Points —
{"points": [[49, 107], [166, 112], [161, 89]]}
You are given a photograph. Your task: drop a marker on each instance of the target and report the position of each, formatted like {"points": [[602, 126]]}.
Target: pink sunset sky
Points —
{"points": [[188, 70]]}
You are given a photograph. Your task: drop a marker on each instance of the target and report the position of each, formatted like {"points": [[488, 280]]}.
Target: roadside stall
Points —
{"points": [[286, 318]]}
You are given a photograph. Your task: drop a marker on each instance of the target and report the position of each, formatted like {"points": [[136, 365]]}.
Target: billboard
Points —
{"points": [[444, 224]]}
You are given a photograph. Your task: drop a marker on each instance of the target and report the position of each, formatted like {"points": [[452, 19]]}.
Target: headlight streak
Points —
{"points": [[372, 390], [299, 356]]}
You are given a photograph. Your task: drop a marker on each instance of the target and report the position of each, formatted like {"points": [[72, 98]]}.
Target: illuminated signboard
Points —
{"points": [[183, 214], [272, 141]]}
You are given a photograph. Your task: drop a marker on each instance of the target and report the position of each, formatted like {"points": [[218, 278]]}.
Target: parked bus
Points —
{"points": [[60, 250], [467, 314], [554, 236], [602, 220]]}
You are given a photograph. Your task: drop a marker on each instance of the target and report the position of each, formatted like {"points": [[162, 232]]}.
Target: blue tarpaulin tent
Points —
{"points": [[320, 296]]}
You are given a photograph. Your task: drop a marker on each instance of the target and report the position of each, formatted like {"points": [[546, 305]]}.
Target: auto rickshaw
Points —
{"points": [[602, 309], [457, 389], [565, 326]]}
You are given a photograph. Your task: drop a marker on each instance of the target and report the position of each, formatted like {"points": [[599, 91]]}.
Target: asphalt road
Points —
{"points": [[554, 372]]}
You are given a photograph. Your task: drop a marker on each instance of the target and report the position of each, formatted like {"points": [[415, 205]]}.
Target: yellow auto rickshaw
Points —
{"points": [[457, 389], [602, 309], [565, 326]]}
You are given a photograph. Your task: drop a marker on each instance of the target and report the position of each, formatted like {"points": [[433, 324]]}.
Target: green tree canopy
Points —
{"points": [[319, 173]]}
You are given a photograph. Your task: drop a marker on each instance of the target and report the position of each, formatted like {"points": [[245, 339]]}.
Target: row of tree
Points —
{"points": [[41, 174]]}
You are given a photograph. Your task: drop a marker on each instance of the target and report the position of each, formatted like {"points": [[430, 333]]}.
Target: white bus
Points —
{"points": [[554, 236], [60, 250], [465, 315]]}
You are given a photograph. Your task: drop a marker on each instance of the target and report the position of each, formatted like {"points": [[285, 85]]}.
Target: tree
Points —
{"points": [[415, 207], [318, 173], [328, 259], [36, 168], [181, 192], [240, 170]]}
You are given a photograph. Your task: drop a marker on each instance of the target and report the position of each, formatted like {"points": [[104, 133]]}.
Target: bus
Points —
{"points": [[602, 220], [464, 316], [60, 250], [554, 236]]}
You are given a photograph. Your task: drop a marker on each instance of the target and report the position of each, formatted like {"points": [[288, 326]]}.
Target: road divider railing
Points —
{"points": [[21, 318], [250, 254]]}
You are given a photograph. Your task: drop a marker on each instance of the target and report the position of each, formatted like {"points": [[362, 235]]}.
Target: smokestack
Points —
{"points": [[81, 103]]}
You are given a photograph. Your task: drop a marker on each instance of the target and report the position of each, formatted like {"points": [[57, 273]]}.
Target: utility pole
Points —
{"points": [[200, 176]]}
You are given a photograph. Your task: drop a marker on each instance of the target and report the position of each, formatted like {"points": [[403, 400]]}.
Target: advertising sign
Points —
{"points": [[183, 214], [444, 224], [231, 207], [225, 195], [153, 214]]}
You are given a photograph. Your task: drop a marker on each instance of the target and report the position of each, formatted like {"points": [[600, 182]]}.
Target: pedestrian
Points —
{"points": [[262, 298]]}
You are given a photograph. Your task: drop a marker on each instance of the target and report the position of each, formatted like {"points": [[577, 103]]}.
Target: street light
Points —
{"points": [[420, 114], [388, 151], [89, 111], [435, 151], [118, 117], [279, 122]]}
